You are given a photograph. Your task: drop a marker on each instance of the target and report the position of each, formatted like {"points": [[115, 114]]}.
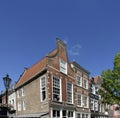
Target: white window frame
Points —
{"points": [[56, 114], [79, 105], [18, 93], [79, 115], [43, 88], [91, 104], [71, 114], [19, 105], [96, 105], [79, 80], [96, 90], [56, 87], [85, 84], [64, 115], [69, 92], [85, 101], [93, 89], [63, 66], [22, 91], [24, 105]]}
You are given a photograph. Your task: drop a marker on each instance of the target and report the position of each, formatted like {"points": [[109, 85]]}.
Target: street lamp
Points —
{"points": [[7, 82]]}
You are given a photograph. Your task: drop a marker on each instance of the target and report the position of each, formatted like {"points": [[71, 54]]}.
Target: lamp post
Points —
{"points": [[7, 82]]}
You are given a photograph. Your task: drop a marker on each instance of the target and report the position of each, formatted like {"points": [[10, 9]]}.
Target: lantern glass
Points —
{"points": [[7, 81]]}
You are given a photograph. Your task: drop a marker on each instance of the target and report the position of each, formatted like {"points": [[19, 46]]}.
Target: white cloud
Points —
{"points": [[75, 50], [65, 41]]}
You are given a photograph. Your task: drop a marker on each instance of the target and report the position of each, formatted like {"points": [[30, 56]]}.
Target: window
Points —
{"points": [[86, 115], [10, 102], [79, 100], [19, 105], [18, 93], [56, 89], [70, 114], [23, 92], [64, 114], [92, 104], [63, 66], [93, 88], [79, 81], [78, 115], [96, 90], [69, 93], [56, 114], [43, 88], [85, 84], [85, 101], [96, 106], [24, 105], [83, 115]]}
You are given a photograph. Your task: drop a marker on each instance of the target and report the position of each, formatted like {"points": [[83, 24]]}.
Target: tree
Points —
{"points": [[110, 91]]}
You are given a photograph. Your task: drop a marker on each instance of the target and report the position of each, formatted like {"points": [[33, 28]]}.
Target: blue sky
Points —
{"points": [[28, 31]]}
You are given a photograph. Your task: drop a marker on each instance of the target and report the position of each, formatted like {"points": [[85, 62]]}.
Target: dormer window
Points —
{"points": [[63, 66]]}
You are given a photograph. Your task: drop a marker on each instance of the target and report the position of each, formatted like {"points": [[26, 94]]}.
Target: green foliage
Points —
{"points": [[110, 91]]}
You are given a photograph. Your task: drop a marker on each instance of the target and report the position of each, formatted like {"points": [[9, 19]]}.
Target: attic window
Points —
{"points": [[63, 66]]}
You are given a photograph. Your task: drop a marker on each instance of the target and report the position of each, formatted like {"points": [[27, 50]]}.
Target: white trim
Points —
{"points": [[44, 76], [72, 95], [19, 106], [86, 83], [63, 66], [81, 100], [22, 91], [81, 78], [60, 88], [87, 102], [67, 93], [24, 105]]}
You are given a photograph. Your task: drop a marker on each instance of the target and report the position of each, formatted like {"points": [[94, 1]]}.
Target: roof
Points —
{"points": [[80, 67], [97, 80], [31, 72]]}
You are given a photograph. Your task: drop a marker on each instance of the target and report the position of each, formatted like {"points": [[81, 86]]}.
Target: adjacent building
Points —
{"points": [[97, 107], [81, 91]]}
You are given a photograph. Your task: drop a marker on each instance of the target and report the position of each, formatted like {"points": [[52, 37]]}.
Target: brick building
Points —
{"points": [[53, 88]]}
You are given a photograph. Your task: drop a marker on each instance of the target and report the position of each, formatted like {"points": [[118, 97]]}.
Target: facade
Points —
{"points": [[12, 102], [81, 91], [94, 99], [53, 88], [98, 109]]}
